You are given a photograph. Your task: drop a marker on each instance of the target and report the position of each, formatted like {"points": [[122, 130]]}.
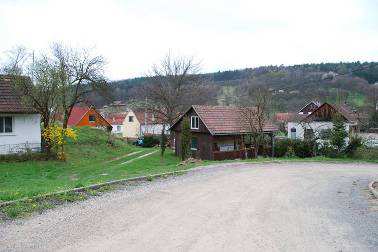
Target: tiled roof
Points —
{"points": [[116, 119], [76, 115], [226, 120], [10, 100], [284, 117], [147, 117]]}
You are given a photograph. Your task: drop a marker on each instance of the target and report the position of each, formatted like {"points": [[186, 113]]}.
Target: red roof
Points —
{"points": [[284, 117], [77, 114], [116, 119], [147, 117], [10, 100]]}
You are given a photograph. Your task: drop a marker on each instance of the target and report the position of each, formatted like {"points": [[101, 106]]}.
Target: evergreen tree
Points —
{"points": [[185, 138], [338, 134]]}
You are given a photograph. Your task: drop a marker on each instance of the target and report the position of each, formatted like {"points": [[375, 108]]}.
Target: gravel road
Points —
{"points": [[227, 207]]}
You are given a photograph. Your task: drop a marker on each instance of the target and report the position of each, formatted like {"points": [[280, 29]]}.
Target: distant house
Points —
{"points": [[217, 132], [86, 116], [20, 125], [117, 121], [116, 107], [309, 108], [312, 122], [138, 123]]}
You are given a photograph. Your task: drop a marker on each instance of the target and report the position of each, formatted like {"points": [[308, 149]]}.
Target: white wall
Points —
{"points": [[154, 129], [131, 129], [114, 129], [26, 129], [316, 126]]}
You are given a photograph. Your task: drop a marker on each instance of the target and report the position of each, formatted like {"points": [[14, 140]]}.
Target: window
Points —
{"points": [[194, 122], [92, 118], [6, 124], [131, 118], [194, 144], [293, 133], [119, 128]]}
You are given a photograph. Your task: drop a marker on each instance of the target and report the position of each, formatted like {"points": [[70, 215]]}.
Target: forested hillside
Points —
{"points": [[291, 86]]}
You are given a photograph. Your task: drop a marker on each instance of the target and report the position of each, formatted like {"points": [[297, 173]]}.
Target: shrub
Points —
{"points": [[354, 143], [366, 153], [304, 148], [338, 134], [150, 141], [281, 147], [28, 156]]}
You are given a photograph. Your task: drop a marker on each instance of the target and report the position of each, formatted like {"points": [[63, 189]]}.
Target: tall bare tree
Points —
{"points": [[16, 59], [79, 73], [254, 112], [173, 85]]}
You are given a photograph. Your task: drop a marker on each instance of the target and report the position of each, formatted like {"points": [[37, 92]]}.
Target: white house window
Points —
{"points": [[6, 124], [92, 118], [118, 128], [131, 118], [293, 133], [194, 122]]}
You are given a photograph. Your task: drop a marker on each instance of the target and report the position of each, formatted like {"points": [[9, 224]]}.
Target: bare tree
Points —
{"points": [[254, 113], [79, 74], [16, 60], [172, 87]]}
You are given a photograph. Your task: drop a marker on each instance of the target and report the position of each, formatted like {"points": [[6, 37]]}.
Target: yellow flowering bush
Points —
{"points": [[57, 137]]}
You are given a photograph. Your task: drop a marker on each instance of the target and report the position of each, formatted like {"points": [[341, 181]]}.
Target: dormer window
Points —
{"points": [[194, 122]]}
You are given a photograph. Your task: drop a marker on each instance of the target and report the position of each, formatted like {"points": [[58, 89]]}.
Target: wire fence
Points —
{"points": [[20, 148]]}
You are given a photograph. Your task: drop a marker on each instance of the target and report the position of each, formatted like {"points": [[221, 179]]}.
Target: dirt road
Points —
{"points": [[229, 207]]}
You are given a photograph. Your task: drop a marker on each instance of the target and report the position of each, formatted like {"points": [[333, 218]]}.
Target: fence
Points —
{"points": [[236, 154], [19, 148]]}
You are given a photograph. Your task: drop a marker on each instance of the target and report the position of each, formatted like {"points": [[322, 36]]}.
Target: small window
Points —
{"points": [[194, 144], [293, 133], [131, 118], [92, 118], [118, 127], [194, 122], [6, 124]]}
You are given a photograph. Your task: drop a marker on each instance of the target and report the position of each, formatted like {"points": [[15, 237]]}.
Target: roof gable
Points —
{"points": [[10, 100], [326, 112], [77, 114], [309, 107]]}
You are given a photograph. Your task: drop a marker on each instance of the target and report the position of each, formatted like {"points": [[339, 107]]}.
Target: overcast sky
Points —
{"points": [[233, 34]]}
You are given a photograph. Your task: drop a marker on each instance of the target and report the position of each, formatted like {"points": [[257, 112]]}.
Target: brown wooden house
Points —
{"points": [[217, 132]]}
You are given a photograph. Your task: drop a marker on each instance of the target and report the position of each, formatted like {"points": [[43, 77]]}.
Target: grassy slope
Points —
{"points": [[90, 161]]}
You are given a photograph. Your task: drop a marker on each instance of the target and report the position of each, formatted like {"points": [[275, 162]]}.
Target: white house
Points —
{"points": [[138, 123], [314, 121], [20, 125], [117, 120]]}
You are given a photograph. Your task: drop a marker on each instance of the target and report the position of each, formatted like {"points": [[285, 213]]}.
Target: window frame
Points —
{"points": [[196, 122], [191, 143], [2, 121], [119, 128], [89, 118], [293, 131], [130, 119]]}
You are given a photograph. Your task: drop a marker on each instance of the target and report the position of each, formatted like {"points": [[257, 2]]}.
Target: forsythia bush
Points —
{"points": [[57, 137]]}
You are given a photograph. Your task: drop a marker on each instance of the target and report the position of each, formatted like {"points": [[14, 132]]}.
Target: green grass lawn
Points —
{"points": [[89, 161]]}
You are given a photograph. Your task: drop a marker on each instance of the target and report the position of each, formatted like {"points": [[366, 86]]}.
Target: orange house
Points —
{"points": [[85, 116]]}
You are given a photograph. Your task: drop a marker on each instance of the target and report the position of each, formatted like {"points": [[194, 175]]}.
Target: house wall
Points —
{"points": [[99, 121], [115, 130], [316, 126], [26, 129], [154, 129], [131, 129]]}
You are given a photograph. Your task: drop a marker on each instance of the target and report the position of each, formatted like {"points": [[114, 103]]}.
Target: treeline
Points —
{"points": [[292, 86]]}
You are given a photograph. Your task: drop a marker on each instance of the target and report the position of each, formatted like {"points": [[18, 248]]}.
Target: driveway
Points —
{"points": [[228, 207]]}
